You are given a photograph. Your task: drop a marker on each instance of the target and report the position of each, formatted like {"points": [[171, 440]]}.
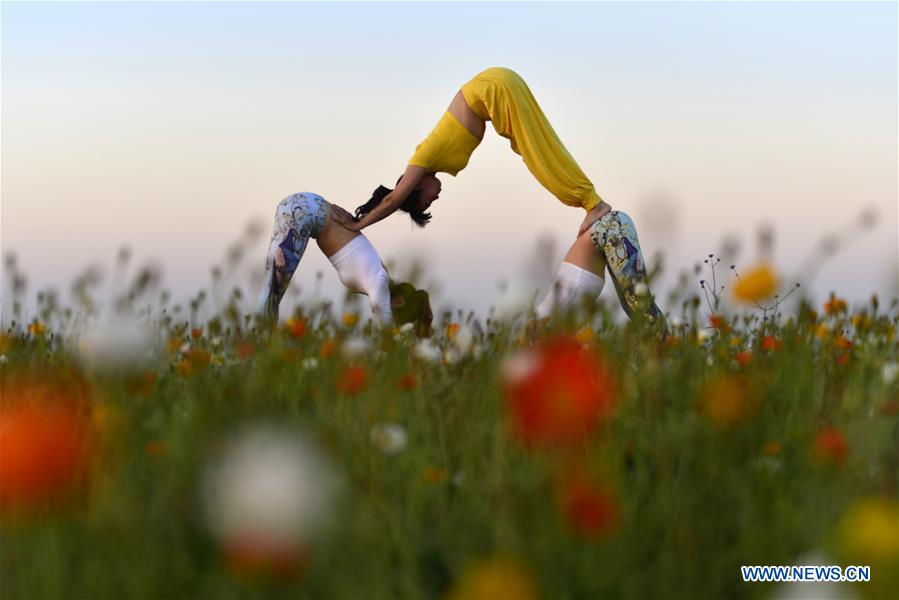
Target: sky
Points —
{"points": [[169, 127]]}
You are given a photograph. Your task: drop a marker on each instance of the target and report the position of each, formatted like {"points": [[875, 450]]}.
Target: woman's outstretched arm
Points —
{"points": [[392, 201]]}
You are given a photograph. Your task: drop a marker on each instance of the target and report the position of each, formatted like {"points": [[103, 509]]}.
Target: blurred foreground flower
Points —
{"points": [[44, 452], [725, 400], [868, 534], [760, 283], [557, 392], [352, 380], [834, 305], [495, 579], [267, 498], [115, 345], [427, 351], [389, 438], [831, 447], [590, 510]]}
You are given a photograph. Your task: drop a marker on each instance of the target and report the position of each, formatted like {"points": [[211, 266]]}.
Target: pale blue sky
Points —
{"points": [[170, 125]]}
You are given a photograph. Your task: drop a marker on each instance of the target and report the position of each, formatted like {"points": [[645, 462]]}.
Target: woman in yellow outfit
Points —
{"points": [[502, 97]]}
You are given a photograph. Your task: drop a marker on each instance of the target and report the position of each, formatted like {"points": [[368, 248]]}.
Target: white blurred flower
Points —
{"points": [[519, 365], [270, 485], [641, 289], [703, 334], [427, 351], [309, 363], [464, 339], [115, 344], [355, 347], [2, 359], [452, 356], [185, 348], [889, 372], [513, 301], [390, 438], [407, 328], [215, 342], [676, 322]]}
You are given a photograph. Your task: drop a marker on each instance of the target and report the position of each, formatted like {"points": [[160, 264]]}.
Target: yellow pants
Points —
{"points": [[501, 96]]}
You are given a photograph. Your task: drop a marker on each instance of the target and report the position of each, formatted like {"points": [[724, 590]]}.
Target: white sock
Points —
{"points": [[360, 269], [570, 285]]}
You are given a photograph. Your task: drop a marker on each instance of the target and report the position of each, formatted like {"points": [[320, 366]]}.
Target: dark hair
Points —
{"points": [[420, 217]]}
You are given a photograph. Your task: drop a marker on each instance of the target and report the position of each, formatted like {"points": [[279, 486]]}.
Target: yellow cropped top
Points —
{"points": [[447, 148]]}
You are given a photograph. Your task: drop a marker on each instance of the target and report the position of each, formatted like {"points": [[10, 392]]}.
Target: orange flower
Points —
{"points": [[772, 449], [834, 306], [758, 284], [174, 344], [195, 361], [328, 349], [842, 343], [37, 328], [843, 360], [296, 326], [590, 510], [245, 349], [718, 322], [407, 382], [557, 393], [154, 449], [352, 380], [434, 475], [584, 335], [196, 333], [44, 453], [451, 330], [771, 343], [831, 447], [724, 401], [744, 357], [350, 319]]}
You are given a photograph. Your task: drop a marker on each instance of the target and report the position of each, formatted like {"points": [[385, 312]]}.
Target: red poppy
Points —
{"points": [[831, 446], [771, 343], [352, 380], [589, 509], [557, 393], [407, 382]]}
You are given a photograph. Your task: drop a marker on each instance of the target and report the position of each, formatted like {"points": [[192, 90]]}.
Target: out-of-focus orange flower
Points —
{"points": [[590, 510], [352, 380], [772, 449], [434, 475], [350, 319], [195, 361], [245, 348], [725, 400], [718, 322], [744, 357], [407, 382], [296, 326], [196, 333], [44, 453], [143, 384], [831, 447], [156, 449], [843, 359], [174, 344], [264, 559], [822, 332], [36, 328], [771, 343], [861, 322], [495, 579], [834, 306], [451, 330], [758, 284], [329, 347], [584, 335], [842, 343], [557, 392]]}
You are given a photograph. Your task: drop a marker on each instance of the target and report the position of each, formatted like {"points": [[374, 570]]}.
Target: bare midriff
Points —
{"points": [[467, 118], [334, 236]]}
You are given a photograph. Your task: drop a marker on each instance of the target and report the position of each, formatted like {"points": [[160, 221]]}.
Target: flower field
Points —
{"points": [[158, 456]]}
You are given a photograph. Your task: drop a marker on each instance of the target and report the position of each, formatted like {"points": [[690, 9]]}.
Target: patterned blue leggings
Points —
{"points": [[615, 237]]}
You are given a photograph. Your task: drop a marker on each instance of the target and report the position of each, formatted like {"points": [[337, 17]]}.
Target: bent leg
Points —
{"points": [[579, 275], [615, 236], [359, 267], [297, 218]]}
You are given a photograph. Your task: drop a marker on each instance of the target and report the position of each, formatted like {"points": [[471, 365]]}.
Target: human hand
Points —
{"points": [[593, 215], [343, 218]]}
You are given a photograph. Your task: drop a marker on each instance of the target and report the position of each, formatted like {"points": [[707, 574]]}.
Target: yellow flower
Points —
{"points": [[434, 475], [758, 284], [350, 319], [497, 578], [37, 329], [724, 401], [451, 330], [584, 335], [869, 530]]}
